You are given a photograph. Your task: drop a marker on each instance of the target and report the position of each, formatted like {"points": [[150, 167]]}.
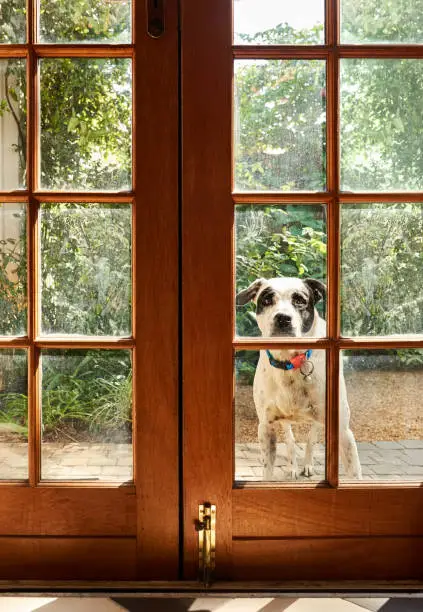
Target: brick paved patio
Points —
{"points": [[75, 461], [402, 460]]}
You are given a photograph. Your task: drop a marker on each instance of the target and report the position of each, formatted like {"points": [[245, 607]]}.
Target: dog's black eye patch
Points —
{"points": [[265, 299], [299, 300]]}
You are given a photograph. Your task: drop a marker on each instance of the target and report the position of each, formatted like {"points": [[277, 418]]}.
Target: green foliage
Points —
{"points": [[88, 391], [113, 409], [86, 124], [280, 145], [382, 269], [12, 21], [86, 269], [85, 144], [245, 366], [388, 360], [14, 414], [13, 390], [277, 241], [84, 394], [13, 73], [284, 34], [388, 21], [280, 125], [85, 20], [381, 127], [13, 309]]}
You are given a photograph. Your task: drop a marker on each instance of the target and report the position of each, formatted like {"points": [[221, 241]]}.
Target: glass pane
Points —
{"points": [[382, 269], [280, 268], [86, 121], [13, 415], [86, 269], [13, 271], [85, 21], [280, 125], [12, 21], [383, 389], [381, 126], [12, 124], [86, 415], [278, 22], [280, 416], [381, 21]]}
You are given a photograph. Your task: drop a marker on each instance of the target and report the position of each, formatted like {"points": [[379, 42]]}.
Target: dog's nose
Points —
{"points": [[283, 321]]}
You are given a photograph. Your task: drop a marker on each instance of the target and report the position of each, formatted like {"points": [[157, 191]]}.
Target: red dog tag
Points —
{"points": [[298, 360]]}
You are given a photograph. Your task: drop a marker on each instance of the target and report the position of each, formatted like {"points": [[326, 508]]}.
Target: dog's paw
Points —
{"points": [[292, 472], [308, 471], [355, 474], [267, 475]]}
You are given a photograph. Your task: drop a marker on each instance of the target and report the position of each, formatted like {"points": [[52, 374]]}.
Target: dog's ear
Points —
{"points": [[318, 288], [246, 295]]}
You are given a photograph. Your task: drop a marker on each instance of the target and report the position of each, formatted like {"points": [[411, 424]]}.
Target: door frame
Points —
{"points": [[368, 531], [107, 531]]}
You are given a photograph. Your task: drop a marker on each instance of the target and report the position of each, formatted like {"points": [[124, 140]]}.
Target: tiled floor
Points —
{"points": [[400, 460], [210, 604]]}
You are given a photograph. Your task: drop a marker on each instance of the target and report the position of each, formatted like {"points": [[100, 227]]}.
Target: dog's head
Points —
{"points": [[284, 306]]}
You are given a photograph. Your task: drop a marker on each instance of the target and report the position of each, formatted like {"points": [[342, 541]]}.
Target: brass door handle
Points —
{"points": [[155, 18]]}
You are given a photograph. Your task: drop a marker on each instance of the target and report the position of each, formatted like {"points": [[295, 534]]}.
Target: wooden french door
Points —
{"points": [[330, 527], [89, 197]]}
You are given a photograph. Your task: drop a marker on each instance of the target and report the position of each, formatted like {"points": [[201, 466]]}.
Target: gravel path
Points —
{"points": [[385, 406]]}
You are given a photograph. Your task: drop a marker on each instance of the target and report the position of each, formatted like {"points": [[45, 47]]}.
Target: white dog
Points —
{"points": [[289, 385]]}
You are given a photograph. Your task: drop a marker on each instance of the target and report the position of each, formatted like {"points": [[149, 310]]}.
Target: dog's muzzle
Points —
{"points": [[282, 325]]}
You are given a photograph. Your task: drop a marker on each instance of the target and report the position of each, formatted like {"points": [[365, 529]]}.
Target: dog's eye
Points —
{"points": [[266, 300], [298, 300]]}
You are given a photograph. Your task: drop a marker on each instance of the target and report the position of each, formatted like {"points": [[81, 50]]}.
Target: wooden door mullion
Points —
{"points": [[34, 429], [332, 12]]}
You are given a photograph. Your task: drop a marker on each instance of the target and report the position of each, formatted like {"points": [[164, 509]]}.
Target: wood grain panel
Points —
{"points": [[327, 512], [156, 295], [64, 558], [328, 559], [58, 511], [208, 298]]}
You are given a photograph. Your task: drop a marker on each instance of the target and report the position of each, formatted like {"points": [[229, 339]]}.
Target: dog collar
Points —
{"points": [[289, 364]]}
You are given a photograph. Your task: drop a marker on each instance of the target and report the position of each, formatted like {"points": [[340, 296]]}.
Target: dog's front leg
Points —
{"points": [[308, 469], [291, 454], [267, 439], [349, 454], [347, 444]]}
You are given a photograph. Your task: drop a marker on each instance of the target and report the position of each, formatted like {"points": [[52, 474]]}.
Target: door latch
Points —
{"points": [[155, 18], [206, 527]]}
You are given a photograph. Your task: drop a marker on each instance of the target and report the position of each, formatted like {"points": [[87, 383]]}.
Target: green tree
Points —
{"points": [[86, 124], [86, 269], [85, 131], [85, 20], [382, 269], [280, 124], [12, 21], [391, 21]]}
